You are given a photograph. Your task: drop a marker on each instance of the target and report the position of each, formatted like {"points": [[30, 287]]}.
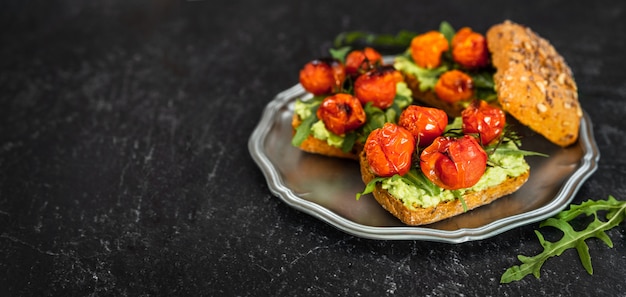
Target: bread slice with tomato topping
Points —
{"points": [[471, 163], [414, 214], [448, 69], [339, 116]]}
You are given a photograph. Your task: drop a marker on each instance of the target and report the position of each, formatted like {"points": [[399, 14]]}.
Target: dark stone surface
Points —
{"points": [[124, 168]]}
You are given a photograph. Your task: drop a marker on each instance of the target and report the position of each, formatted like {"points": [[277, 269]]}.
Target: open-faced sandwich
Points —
{"points": [[422, 170], [511, 66], [351, 96]]}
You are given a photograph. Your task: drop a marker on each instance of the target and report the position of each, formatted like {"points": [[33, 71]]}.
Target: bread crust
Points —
{"points": [[533, 82], [321, 147], [444, 210]]}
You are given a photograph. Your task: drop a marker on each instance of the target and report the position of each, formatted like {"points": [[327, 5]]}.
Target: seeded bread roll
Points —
{"points": [[533, 82], [421, 216]]}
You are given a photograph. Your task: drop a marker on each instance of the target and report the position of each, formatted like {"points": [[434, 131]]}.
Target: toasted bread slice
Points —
{"points": [[321, 147], [533, 82], [444, 210]]}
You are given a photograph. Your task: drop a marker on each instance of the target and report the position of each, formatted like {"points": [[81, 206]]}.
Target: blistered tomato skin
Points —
{"points": [[454, 163], [323, 76], [425, 123], [377, 86], [427, 48], [485, 120], [454, 86], [389, 150], [469, 49], [341, 113], [362, 60]]}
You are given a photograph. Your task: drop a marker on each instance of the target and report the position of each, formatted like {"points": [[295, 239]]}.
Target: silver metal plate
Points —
{"points": [[325, 187]]}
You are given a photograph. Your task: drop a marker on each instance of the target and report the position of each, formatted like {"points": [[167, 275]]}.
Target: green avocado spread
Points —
{"points": [[502, 162], [320, 132], [303, 108], [427, 77]]}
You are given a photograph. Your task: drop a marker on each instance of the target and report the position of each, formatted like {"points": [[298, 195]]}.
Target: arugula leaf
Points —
{"points": [[516, 151], [447, 30], [400, 102], [486, 94], [416, 178], [483, 79], [457, 194], [348, 141], [615, 212], [374, 118], [340, 53], [369, 188], [401, 39], [484, 85], [303, 131]]}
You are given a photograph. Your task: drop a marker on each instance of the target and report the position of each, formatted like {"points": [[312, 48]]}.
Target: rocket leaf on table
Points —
{"points": [[614, 213]]}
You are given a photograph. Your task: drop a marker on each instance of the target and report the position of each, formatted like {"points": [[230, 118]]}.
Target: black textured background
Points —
{"points": [[124, 168]]}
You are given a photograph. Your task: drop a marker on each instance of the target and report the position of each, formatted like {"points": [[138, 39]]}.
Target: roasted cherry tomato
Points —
{"points": [[485, 120], [454, 163], [323, 76], [389, 150], [469, 49], [377, 86], [362, 60], [341, 113], [425, 123], [426, 49], [454, 85]]}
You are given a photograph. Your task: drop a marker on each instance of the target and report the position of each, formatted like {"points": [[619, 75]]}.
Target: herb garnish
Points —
{"points": [[418, 179], [303, 131], [614, 213], [414, 177], [457, 194], [401, 40]]}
